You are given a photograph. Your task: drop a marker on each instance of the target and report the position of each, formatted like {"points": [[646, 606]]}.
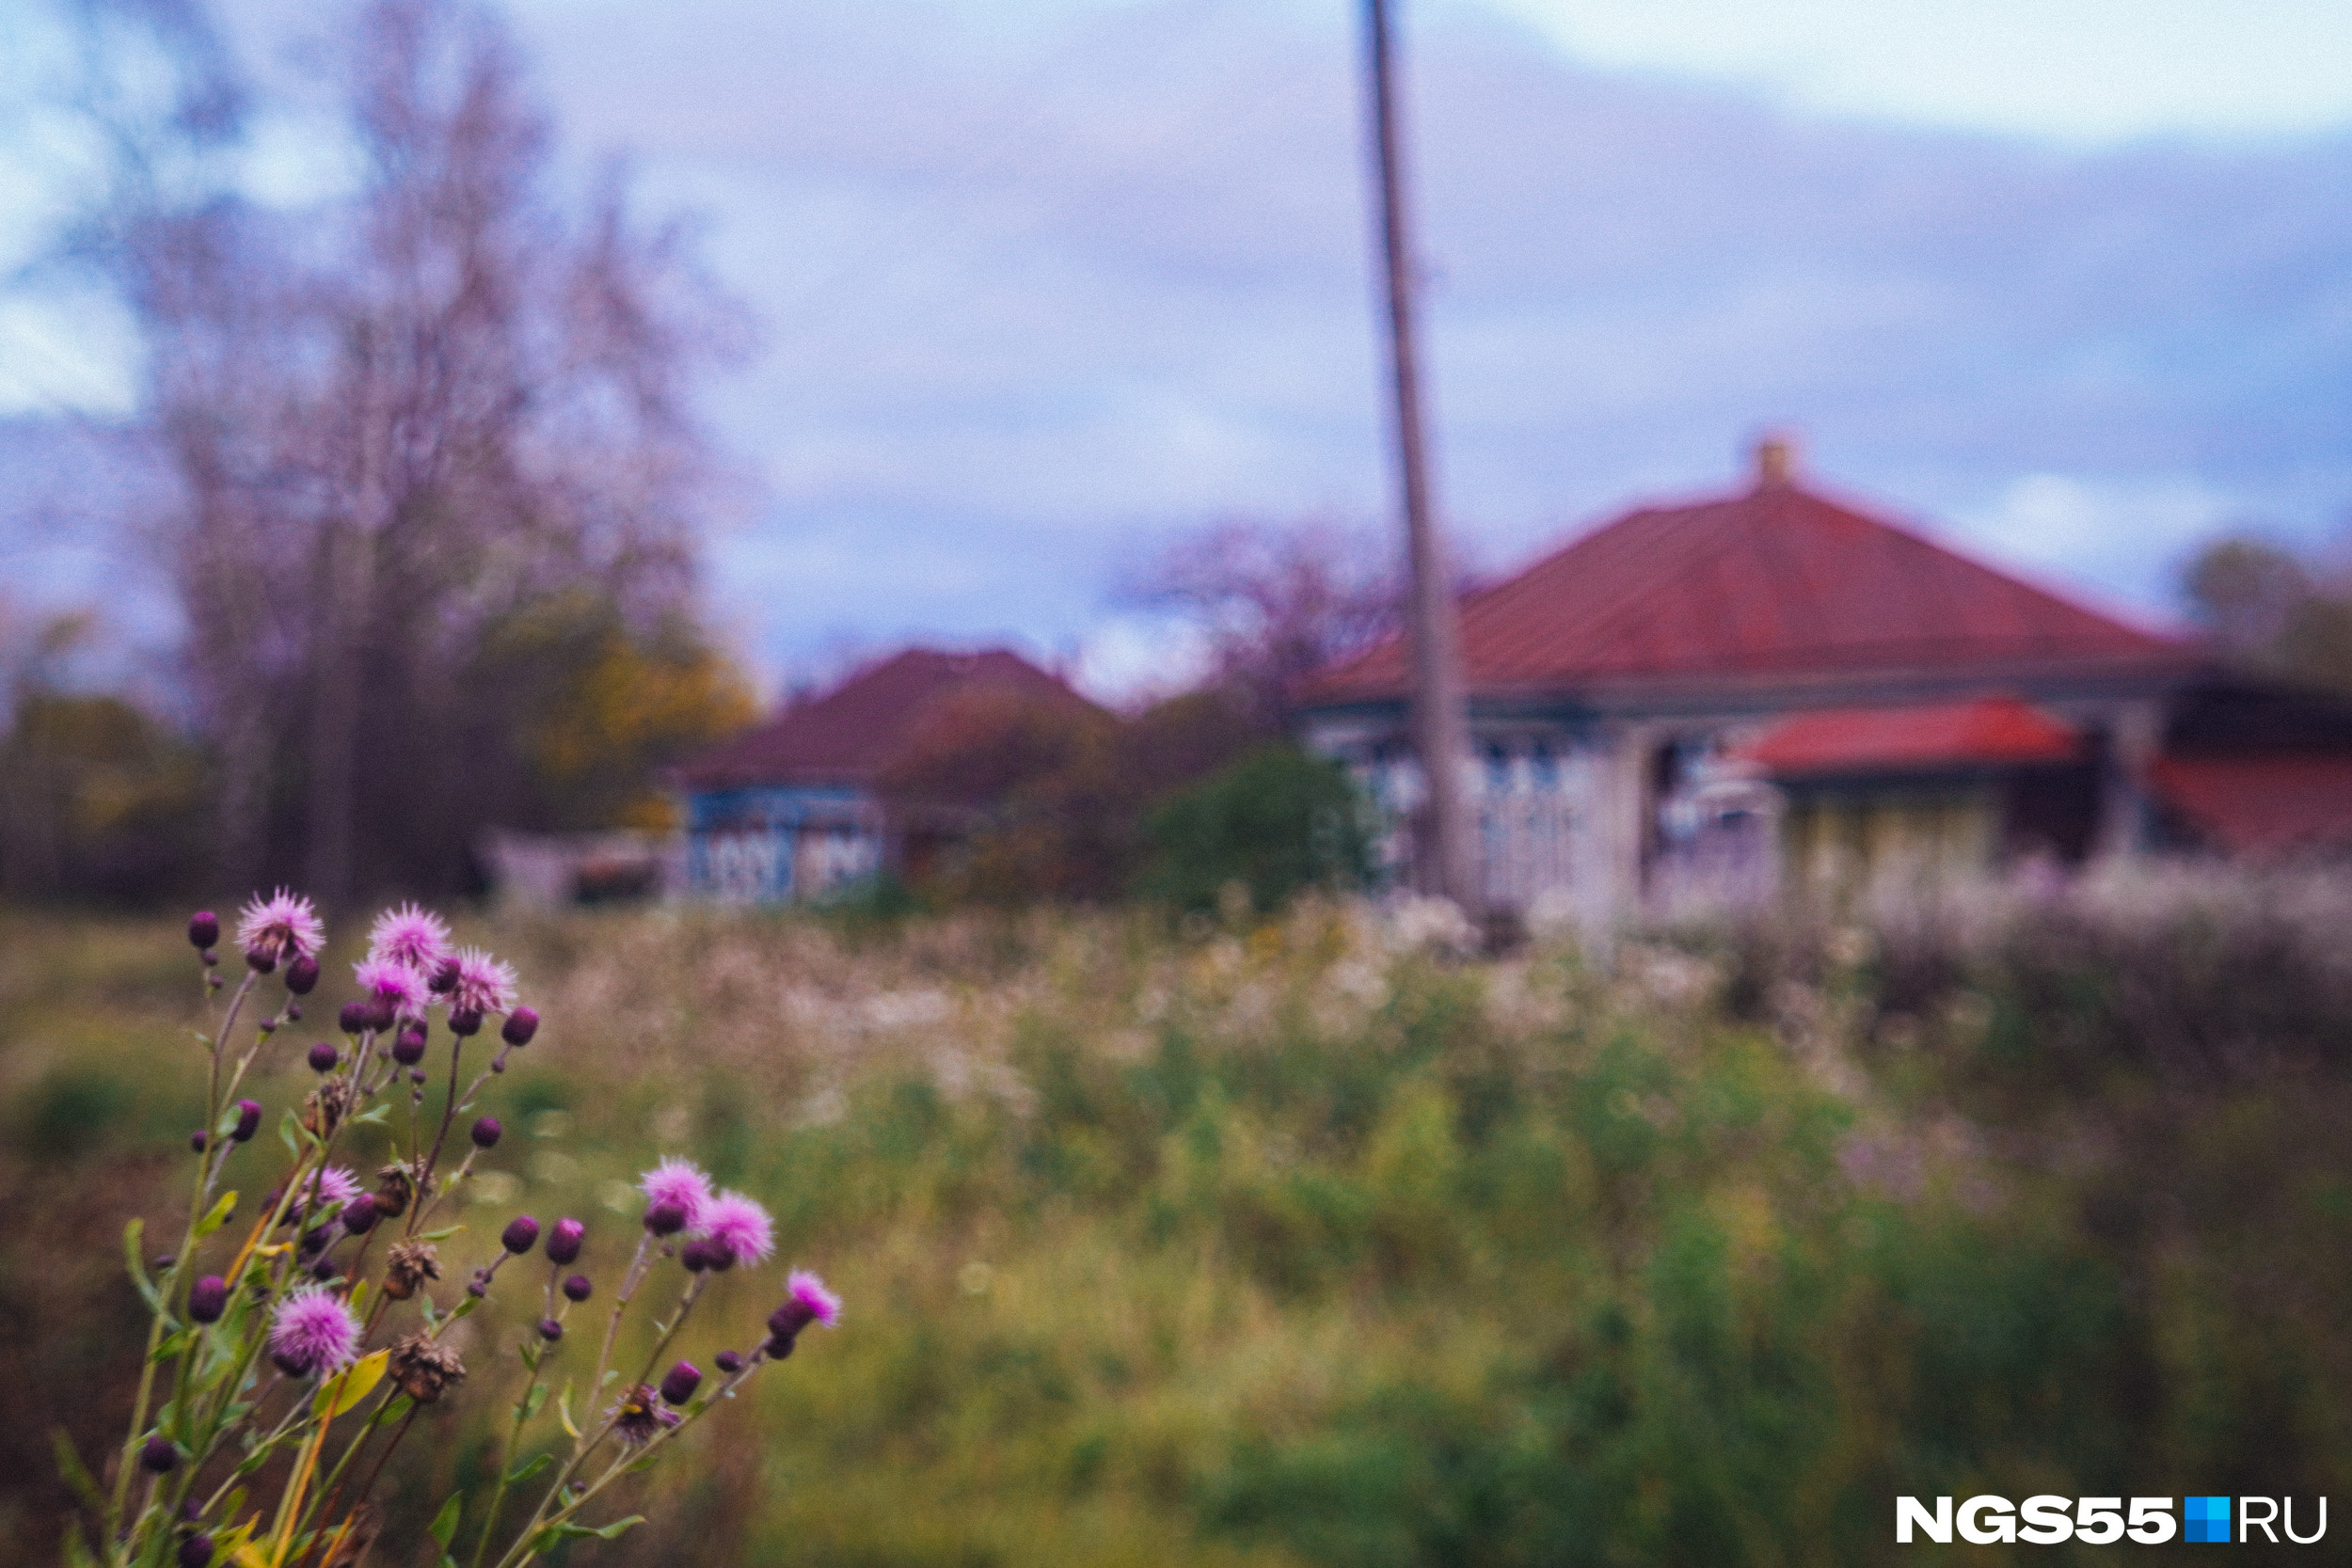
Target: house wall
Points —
{"points": [[777, 844]]}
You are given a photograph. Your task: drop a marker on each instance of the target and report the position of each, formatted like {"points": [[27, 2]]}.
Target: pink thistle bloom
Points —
{"points": [[313, 1333], [336, 1184], [680, 1184], [812, 1298], [483, 983], [393, 984], [740, 1226], [281, 927], [412, 936]]}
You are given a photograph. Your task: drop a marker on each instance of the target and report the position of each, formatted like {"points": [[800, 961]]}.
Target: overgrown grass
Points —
{"points": [[1300, 1244]]}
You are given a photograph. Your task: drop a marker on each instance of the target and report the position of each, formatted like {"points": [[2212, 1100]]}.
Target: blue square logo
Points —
{"points": [[2205, 1519]]}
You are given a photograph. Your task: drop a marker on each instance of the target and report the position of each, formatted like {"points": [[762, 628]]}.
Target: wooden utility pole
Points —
{"points": [[1442, 857]]}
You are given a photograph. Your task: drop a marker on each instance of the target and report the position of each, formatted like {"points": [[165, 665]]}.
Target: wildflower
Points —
{"points": [[577, 1288], [249, 1120], [323, 1055], [408, 1266], [359, 1214], [678, 1385], [550, 1330], [411, 936], [208, 1298], [729, 1362], [279, 927], [408, 1050], [159, 1453], [486, 1132], [313, 1334], [196, 1552], [521, 1024], [423, 1367], [483, 985], [806, 1301], [674, 1185], [638, 1416], [203, 928], [302, 979], [564, 1241], [336, 1185], [521, 1235], [739, 1229], [390, 991]]}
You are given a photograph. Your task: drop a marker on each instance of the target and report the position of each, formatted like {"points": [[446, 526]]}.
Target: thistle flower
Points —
{"points": [[739, 1228], [336, 1186], [423, 1367], [638, 1416], [483, 985], [313, 1334], [680, 1384], [393, 990], [281, 927], [407, 1268], [208, 1298], [411, 936], [563, 1240], [674, 1184], [806, 1301]]}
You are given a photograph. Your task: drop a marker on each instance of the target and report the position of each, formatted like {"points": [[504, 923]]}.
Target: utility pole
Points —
{"points": [[1442, 857]]}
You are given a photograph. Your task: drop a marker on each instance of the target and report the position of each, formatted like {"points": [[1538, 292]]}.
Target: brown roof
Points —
{"points": [[2262, 804], [1774, 583], [843, 737]]}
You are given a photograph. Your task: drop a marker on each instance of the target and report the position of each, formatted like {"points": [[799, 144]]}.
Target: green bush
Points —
{"points": [[1277, 822]]}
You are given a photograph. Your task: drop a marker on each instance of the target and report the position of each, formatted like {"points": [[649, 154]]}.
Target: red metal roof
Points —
{"points": [[843, 735], [2264, 804], [1777, 581], [1989, 732]]}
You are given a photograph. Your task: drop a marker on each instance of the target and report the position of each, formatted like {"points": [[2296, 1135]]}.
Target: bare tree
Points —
{"points": [[1278, 601], [406, 423]]}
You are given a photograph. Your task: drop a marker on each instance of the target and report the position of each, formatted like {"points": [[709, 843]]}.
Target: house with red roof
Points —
{"points": [[789, 810], [1712, 699]]}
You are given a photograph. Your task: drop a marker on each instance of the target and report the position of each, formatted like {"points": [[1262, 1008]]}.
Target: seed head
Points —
{"points": [[203, 928], [208, 1298], [577, 1288], [407, 1268], [564, 1241], [302, 975], [423, 1367], [486, 1132], [679, 1384], [249, 1120], [521, 1024], [520, 1236]]}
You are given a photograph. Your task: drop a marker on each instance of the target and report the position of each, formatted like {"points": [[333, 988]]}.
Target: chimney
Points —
{"points": [[1776, 455]]}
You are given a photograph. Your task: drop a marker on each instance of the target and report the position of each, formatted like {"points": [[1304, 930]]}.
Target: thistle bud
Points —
{"points": [[203, 929], [208, 1298], [359, 1214], [521, 1024], [379, 1014], [564, 1241], [408, 1050], [196, 1552], [326, 1269], [260, 962], [464, 1023], [302, 975], [729, 1362], [354, 1018], [486, 1132], [521, 1235], [678, 1385], [324, 1057], [160, 1453], [666, 1219], [577, 1288], [550, 1330], [249, 1120], [198, 1139]]}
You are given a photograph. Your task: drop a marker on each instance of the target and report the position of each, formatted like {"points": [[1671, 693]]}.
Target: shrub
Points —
{"points": [[1277, 822]]}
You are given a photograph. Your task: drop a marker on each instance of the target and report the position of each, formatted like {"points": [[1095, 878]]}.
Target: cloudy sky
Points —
{"points": [[2067, 281]]}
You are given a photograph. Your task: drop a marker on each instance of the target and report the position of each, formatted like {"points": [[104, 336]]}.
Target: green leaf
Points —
{"points": [[533, 1401], [372, 1113], [441, 1235], [77, 1552], [218, 1217], [614, 1530], [349, 1387], [76, 1475], [444, 1526], [563, 1410], [529, 1468], [132, 1235]]}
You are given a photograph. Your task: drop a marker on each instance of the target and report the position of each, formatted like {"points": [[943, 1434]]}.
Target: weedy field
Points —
{"points": [[1312, 1242]]}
